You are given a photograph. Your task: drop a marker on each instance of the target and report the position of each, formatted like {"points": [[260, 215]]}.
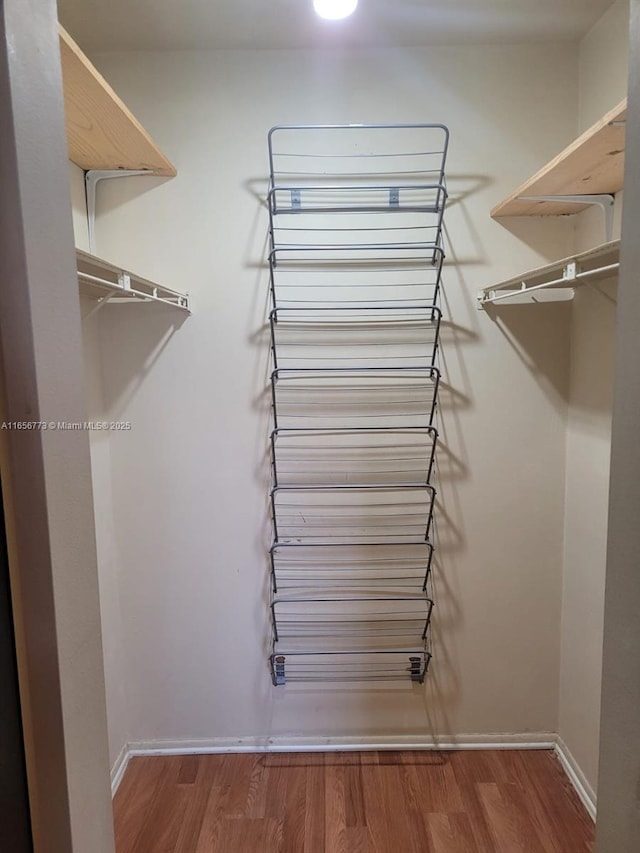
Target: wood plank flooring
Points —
{"points": [[352, 802]]}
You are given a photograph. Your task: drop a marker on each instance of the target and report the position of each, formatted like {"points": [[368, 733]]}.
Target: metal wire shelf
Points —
{"points": [[351, 398], [367, 158], [385, 196], [355, 258], [342, 514], [395, 565], [359, 247], [341, 282], [364, 456], [319, 616], [354, 337], [290, 664]]}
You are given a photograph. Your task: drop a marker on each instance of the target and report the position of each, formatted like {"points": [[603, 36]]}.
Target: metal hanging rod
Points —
{"points": [[570, 277], [132, 295], [125, 286], [573, 271]]}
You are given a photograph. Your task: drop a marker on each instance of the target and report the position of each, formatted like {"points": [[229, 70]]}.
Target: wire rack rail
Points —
{"points": [[355, 258]]}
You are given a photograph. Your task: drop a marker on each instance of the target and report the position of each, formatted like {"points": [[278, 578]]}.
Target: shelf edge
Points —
{"points": [[617, 114], [76, 64]]}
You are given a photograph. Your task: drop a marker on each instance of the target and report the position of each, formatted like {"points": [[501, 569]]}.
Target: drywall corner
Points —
{"points": [[78, 206], [602, 83], [47, 470], [618, 829], [106, 538], [603, 63], [586, 506]]}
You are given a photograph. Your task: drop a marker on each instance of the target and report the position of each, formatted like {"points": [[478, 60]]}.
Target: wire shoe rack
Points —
{"points": [[355, 264]]}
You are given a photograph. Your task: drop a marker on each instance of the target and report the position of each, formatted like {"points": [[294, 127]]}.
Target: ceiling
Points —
{"points": [[203, 24]]}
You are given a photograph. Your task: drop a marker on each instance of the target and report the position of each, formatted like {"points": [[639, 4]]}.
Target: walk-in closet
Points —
{"points": [[333, 553]]}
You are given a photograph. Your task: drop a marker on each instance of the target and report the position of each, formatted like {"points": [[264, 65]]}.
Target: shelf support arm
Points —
{"points": [[98, 305], [605, 202], [91, 180]]}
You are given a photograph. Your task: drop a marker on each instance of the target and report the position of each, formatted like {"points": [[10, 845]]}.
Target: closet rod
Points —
{"points": [[176, 300], [566, 279]]}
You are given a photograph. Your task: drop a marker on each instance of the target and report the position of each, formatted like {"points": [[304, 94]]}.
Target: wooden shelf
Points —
{"points": [[598, 263], [98, 278], [102, 133], [592, 164]]}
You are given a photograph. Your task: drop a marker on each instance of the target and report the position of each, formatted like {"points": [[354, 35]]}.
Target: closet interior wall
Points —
{"points": [[113, 647], [186, 555], [603, 60]]}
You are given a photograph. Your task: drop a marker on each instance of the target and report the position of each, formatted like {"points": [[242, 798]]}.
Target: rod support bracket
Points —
{"points": [[124, 280]]}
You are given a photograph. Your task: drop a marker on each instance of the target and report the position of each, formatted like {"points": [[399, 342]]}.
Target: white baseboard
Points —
{"points": [[119, 766], [211, 746], [544, 740], [576, 777]]}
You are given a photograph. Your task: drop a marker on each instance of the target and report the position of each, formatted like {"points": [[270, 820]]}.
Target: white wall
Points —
{"points": [[46, 474], [603, 63], [100, 446], [190, 480], [114, 651], [603, 55], [588, 449], [618, 829]]}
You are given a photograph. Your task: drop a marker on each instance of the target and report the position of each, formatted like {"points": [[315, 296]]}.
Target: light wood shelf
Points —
{"points": [[593, 164], [102, 133]]}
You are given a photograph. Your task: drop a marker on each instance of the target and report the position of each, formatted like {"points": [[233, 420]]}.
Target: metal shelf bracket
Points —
{"points": [[605, 202], [91, 180]]}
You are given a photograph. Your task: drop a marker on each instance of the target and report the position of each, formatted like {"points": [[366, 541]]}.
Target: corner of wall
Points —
{"points": [[603, 57], [603, 63], [118, 717], [78, 206]]}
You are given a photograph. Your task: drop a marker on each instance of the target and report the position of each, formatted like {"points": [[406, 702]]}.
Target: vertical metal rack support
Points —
{"points": [[355, 265]]}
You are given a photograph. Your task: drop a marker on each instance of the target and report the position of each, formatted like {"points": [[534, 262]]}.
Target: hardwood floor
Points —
{"points": [[371, 802]]}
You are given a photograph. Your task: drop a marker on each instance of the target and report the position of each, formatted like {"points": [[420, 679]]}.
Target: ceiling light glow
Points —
{"points": [[333, 10]]}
